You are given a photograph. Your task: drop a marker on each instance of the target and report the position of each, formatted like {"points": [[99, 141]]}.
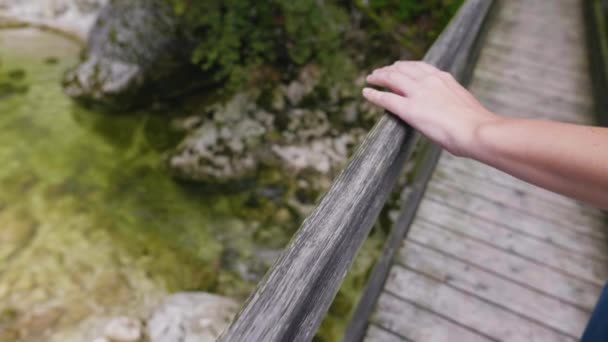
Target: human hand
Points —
{"points": [[432, 102]]}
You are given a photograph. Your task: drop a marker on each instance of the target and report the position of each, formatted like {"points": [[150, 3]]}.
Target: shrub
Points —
{"points": [[235, 36]]}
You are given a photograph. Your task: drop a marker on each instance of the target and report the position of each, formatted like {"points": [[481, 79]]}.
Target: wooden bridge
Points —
{"points": [[476, 255]]}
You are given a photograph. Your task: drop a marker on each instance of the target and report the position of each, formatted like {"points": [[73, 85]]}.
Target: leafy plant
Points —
{"points": [[236, 37]]}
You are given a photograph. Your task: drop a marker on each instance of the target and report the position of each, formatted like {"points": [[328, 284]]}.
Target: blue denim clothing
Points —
{"points": [[597, 328]]}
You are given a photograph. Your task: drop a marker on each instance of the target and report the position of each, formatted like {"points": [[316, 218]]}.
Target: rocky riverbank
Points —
{"points": [[183, 183], [93, 228]]}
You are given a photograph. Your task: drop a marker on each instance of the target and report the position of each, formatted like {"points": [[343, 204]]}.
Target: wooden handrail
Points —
{"points": [[294, 296]]}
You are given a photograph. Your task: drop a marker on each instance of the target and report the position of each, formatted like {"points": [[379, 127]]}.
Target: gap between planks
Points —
{"points": [[574, 291], [544, 310]]}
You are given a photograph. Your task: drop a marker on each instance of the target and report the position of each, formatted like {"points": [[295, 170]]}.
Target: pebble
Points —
{"points": [[101, 339], [123, 329]]}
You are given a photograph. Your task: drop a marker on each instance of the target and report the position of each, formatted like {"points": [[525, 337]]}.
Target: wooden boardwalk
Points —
{"points": [[489, 257]]}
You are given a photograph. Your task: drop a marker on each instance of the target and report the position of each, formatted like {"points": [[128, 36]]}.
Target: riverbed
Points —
{"points": [[92, 226], [90, 223]]}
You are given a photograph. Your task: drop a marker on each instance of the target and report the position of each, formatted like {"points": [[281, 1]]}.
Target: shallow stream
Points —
{"points": [[87, 212], [91, 224]]}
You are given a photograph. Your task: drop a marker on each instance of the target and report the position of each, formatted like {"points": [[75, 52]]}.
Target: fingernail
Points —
{"points": [[367, 91]]}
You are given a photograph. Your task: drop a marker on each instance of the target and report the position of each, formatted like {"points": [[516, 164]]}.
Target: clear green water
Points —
{"points": [[88, 214], [92, 226]]}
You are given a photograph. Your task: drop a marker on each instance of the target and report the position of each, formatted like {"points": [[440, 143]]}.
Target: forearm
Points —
{"points": [[565, 158]]}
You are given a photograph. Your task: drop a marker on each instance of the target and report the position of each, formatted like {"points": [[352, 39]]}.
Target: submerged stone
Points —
{"points": [[16, 74], [123, 329], [191, 316], [90, 228], [10, 88]]}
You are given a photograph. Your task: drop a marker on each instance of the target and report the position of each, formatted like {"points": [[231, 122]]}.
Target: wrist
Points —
{"points": [[483, 137]]}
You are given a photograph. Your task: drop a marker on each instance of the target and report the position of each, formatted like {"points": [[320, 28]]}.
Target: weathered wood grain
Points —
{"points": [[517, 199], [577, 94], [379, 334], [468, 310], [572, 290], [515, 110], [567, 240], [475, 281], [535, 198], [490, 253], [532, 55], [560, 260], [292, 299], [533, 71], [450, 163], [419, 324], [496, 211], [530, 96]]}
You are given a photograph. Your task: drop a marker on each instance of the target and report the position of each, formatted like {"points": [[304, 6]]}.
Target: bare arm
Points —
{"points": [[565, 158]]}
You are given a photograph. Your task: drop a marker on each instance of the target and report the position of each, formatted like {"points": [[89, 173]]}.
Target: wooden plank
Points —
{"points": [[560, 260], [450, 163], [519, 77], [569, 11], [497, 211], [538, 25], [513, 24], [519, 199], [376, 333], [419, 324], [470, 279], [290, 302], [533, 191], [513, 51], [536, 36], [573, 291], [547, 44], [466, 309], [527, 98], [498, 61], [507, 108], [561, 238], [533, 73]]}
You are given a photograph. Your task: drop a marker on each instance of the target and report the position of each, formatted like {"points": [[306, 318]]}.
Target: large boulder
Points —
{"points": [[136, 51]]}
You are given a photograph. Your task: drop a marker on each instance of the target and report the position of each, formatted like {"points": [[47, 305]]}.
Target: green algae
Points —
{"points": [[91, 225], [90, 222]]}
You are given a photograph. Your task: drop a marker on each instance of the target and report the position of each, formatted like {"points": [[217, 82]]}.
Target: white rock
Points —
{"points": [[73, 16], [101, 339], [123, 329], [191, 317]]}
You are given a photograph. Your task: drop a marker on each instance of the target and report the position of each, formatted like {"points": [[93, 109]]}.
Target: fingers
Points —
{"points": [[415, 69], [395, 81], [392, 102], [411, 69]]}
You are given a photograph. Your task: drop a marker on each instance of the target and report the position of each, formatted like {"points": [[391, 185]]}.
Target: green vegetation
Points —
{"points": [[241, 39], [86, 196]]}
